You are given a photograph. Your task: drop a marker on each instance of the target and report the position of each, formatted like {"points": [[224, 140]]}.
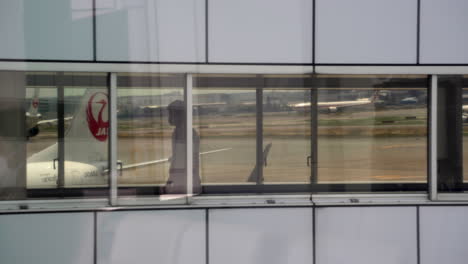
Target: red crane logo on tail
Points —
{"points": [[98, 127], [35, 102]]}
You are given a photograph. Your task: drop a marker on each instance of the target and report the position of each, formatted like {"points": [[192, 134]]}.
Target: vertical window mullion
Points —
{"points": [[313, 132], [112, 147], [433, 139], [61, 130], [259, 129], [189, 133]]}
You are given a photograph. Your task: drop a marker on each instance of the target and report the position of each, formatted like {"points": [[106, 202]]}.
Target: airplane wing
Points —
{"points": [[52, 121], [153, 162]]}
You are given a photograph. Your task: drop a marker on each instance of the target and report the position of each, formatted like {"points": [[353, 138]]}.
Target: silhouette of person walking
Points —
{"points": [[177, 181]]}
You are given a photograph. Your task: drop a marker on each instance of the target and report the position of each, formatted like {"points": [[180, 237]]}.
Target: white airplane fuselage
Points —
{"points": [[76, 174], [331, 106]]}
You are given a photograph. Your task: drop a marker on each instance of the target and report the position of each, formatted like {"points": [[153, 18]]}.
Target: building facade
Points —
{"points": [[222, 131]]}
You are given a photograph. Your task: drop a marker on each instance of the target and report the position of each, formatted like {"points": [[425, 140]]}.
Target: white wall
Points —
{"points": [[366, 235], [385, 234], [47, 238], [260, 31], [151, 30], [164, 237], [444, 235], [238, 31], [259, 236], [444, 31], [46, 29], [366, 31]]}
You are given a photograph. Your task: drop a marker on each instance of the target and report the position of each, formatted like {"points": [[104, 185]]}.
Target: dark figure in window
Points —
{"points": [[177, 182]]}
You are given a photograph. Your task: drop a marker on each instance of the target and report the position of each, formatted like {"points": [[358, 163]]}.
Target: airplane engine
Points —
{"points": [[33, 131], [332, 109]]}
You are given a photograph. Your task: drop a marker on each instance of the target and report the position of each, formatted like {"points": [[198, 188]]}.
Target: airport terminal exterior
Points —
{"points": [[318, 131]]}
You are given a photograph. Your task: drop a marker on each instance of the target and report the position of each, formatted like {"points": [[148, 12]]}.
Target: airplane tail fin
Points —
{"points": [[86, 138], [33, 110], [374, 96]]}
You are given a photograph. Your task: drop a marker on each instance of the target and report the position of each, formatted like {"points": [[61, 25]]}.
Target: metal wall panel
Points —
{"points": [[46, 29], [164, 237], [444, 236], [444, 34], [366, 235], [366, 31], [47, 238], [282, 235], [153, 30], [260, 31]]}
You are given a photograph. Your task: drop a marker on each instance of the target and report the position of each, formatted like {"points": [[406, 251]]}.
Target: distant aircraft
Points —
{"points": [[333, 107], [34, 118], [465, 113], [86, 148], [409, 100]]}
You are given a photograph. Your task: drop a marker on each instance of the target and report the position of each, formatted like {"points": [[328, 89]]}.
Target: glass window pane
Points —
{"points": [[56, 144], [252, 139], [225, 119], [451, 133], [372, 132], [151, 134], [13, 143], [287, 135]]}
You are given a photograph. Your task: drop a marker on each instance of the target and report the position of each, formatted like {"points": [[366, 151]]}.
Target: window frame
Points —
{"points": [[429, 196]]}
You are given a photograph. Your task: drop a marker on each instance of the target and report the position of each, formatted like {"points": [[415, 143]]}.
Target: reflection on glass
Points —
{"points": [[286, 135], [56, 137], [12, 136], [372, 130], [42, 133], [177, 181], [225, 119], [152, 134], [450, 133], [70, 149], [465, 127]]}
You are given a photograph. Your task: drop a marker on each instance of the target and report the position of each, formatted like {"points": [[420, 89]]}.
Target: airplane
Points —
{"points": [[409, 100], [333, 107], [86, 148], [34, 118], [465, 113]]}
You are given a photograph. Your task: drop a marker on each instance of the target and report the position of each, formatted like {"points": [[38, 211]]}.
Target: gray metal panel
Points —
{"points": [[366, 235], [366, 31], [260, 31], [153, 30], [164, 236], [47, 238], [444, 236], [444, 34], [269, 236], [46, 29]]}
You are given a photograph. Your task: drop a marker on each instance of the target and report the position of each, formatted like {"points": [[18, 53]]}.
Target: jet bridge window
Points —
{"points": [[452, 134], [371, 133], [323, 133], [252, 138], [55, 143], [151, 139]]}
